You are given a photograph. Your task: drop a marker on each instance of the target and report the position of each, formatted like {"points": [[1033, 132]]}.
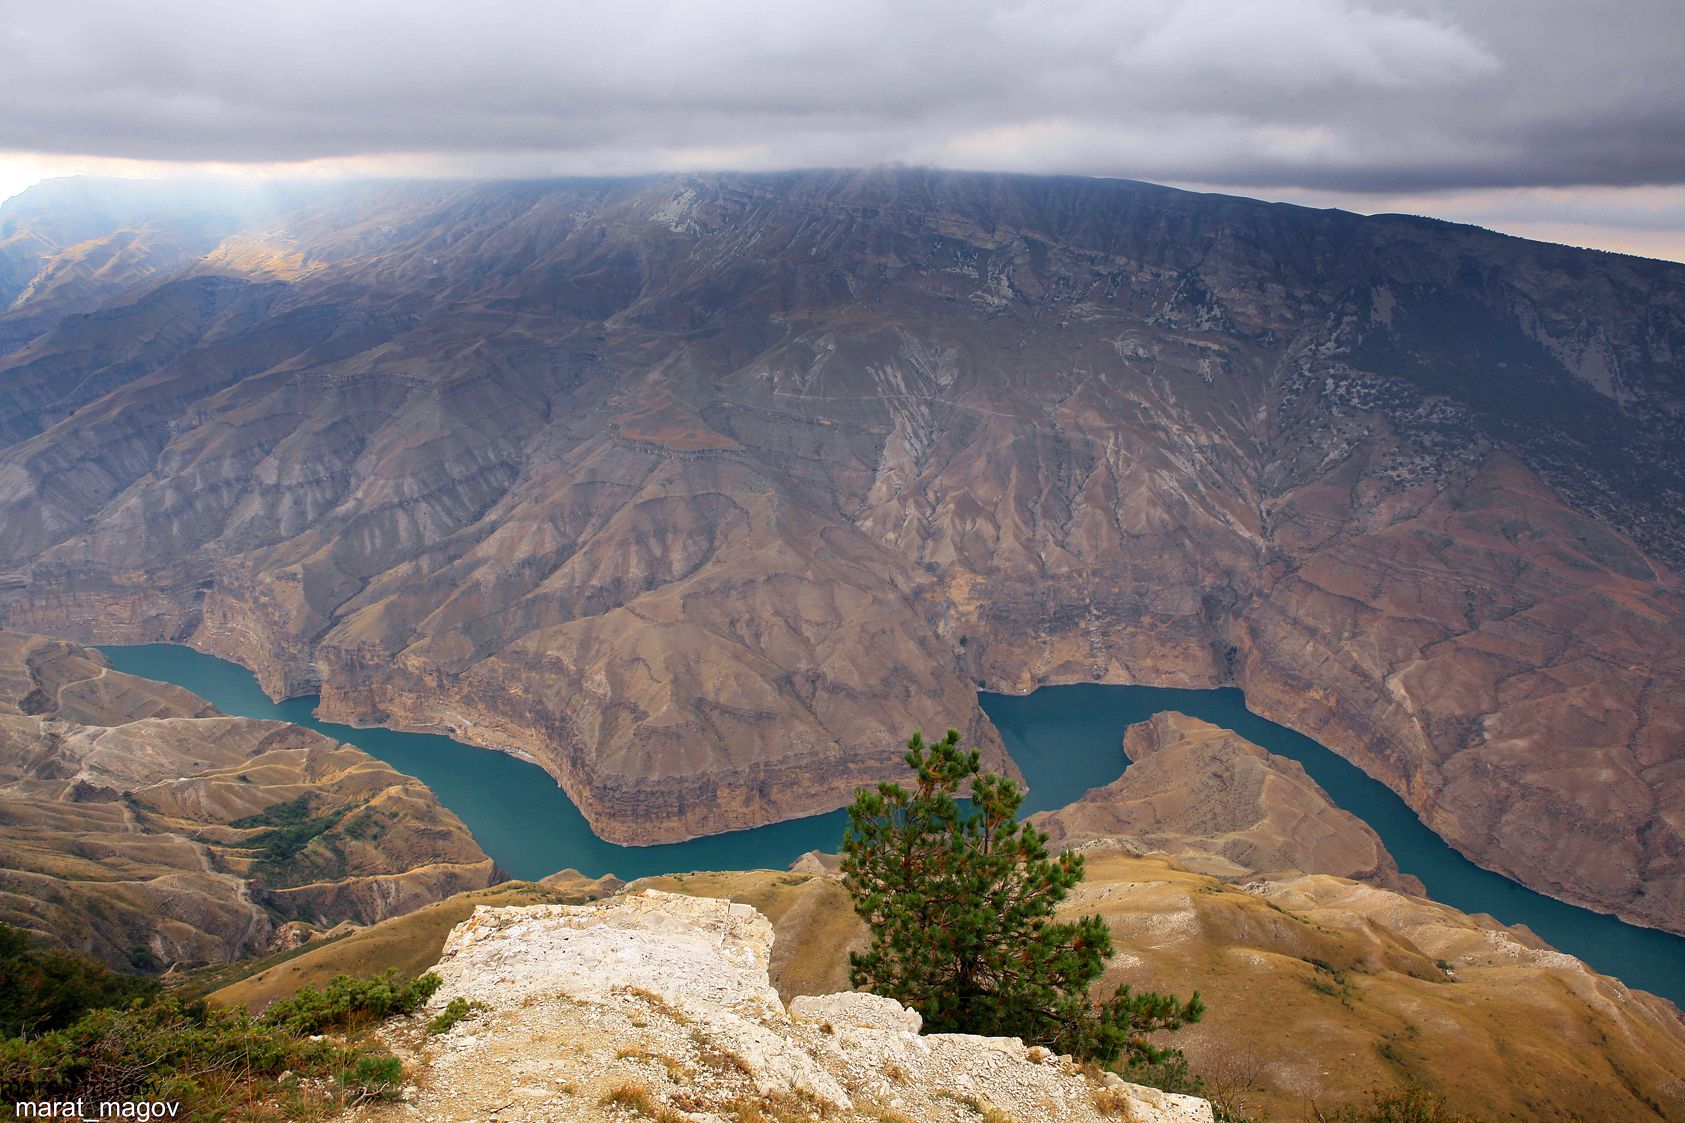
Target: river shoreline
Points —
{"points": [[1066, 739]]}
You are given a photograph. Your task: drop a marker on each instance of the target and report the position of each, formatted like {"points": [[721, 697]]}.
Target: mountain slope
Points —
{"points": [[140, 826], [704, 491]]}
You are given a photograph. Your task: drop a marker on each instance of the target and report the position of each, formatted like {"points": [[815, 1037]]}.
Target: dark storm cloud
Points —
{"points": [[1323, 94]]}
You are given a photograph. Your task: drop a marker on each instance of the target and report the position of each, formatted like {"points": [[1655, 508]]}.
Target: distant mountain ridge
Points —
{"points": [[705, 490]]}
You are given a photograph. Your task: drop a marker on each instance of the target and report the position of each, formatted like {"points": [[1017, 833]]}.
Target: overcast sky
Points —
{"points": [[1560, 119]]}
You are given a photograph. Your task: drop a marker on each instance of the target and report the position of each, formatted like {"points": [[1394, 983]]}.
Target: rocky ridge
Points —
{"points": [[667, 998], [140, 826], [704, 491]]}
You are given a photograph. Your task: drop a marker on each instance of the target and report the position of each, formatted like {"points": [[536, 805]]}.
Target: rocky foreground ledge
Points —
{"points": [[658, 1006]]}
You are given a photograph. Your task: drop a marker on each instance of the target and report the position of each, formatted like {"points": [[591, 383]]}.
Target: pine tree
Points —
{"points": [[960, 902]]}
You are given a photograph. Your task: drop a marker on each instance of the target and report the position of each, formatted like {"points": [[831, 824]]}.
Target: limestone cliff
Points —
{"points": [[1224, 806], [705, 491], [659, 1002], [140, 826]]}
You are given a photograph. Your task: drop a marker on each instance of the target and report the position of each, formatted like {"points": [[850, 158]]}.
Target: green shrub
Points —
{"points": [[456, 1010], [46, 990], [374, 1077], [1168, 1072], [218, 1063], [151, 1048], [292, 830], [347, 1002]]}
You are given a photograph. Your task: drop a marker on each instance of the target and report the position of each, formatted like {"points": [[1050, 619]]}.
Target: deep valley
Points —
{"points": [[703, 491]]}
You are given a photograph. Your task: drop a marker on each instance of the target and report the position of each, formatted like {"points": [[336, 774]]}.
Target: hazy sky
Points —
{"points": [[1549, 118]]}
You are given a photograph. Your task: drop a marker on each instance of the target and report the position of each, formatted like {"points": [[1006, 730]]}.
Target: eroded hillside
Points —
{"points": [[140, 826], [704, 491]]}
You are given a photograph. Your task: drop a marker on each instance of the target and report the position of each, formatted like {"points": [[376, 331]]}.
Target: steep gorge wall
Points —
{"points": [[704, 493]]}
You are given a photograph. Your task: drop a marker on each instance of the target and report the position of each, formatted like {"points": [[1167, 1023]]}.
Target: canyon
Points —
{"points": [[1321, 986], [704, 491], [141, 827]]}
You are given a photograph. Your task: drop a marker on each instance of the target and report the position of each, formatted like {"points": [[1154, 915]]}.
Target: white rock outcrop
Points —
{"points": [[658, 1006]]}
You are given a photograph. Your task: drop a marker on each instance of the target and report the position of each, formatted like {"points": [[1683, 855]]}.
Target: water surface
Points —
{"points": [[1065, 739], [1082, 725]]}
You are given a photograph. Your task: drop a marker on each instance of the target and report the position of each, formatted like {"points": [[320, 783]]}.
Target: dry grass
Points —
{"points": [[412, 943], [636, 1098], [657, 1003], [777, 1107], [718, 1057], [676, 1071], [1115, 1104], [888, 1115]]}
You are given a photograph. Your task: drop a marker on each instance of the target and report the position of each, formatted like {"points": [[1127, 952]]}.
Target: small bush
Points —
{"points": [[456, 1010], [1115, 1104], [374, 1077], [220, 1064], [347, 1002], [1168, 1073], [204, 1057]]}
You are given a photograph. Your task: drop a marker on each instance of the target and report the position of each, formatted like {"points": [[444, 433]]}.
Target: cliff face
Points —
{"points": [[667, 998], [704, 491], [140, 826], [1225, 807]]}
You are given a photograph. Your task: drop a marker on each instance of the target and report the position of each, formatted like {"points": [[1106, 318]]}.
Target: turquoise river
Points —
{"points": [[1066, 739]]}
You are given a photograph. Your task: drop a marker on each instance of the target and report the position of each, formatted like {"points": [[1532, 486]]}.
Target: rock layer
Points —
{"points": [[668, 996], [140, 826], [705, 491]]}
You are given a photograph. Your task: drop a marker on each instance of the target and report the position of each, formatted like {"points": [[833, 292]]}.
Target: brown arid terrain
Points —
{"points": [[1320, 989], [703, 491], [1221, 805], [140, 826], [412, 943]]}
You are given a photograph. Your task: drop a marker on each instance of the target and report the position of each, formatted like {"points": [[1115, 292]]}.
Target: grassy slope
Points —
{"points": [[412, 943], [1320, 990]]}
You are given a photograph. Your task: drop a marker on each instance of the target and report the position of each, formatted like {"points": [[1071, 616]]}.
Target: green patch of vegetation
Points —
{"points": [[348, 1002], [134, 803], [1169, 1073], [79, 1031], [457, 1010], [1331, 981], [376, 1077], [44, 990], [364, 828], [291, 829]]}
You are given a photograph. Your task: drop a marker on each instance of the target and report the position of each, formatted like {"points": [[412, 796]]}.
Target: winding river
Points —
{"points": [[1066, 739]]}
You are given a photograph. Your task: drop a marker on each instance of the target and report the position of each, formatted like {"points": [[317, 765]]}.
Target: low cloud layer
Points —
{"points": [[1331, 96]]}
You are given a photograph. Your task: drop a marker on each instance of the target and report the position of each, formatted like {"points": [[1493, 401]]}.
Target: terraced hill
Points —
{"points": [[140, 826]]}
